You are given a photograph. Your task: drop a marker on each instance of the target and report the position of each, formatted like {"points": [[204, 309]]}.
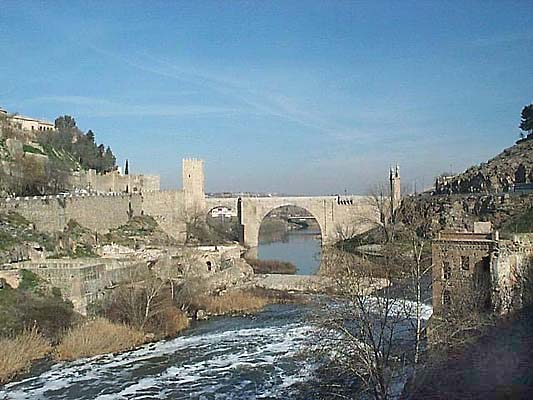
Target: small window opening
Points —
{"points": [[446, 270], [465, 263]]}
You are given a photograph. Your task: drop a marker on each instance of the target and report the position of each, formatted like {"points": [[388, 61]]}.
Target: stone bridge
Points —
{"points": [[337, 216]]}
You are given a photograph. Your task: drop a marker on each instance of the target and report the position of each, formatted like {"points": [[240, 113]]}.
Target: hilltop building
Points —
{"points": [[28, 123]]}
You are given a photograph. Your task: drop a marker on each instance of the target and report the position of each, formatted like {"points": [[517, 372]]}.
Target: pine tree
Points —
{"points": [[526, 122]]}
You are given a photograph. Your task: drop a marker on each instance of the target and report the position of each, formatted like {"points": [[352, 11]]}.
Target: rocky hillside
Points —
{"points": [[512, 166], [509, 213]]}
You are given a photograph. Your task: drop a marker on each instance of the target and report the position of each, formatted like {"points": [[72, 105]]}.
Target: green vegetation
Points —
{"points": [[526, 121], [15, 230], [140, 230], [82, 147], [31, 149], [67, 148], [34, 304], [18, 233], [28, 280]]}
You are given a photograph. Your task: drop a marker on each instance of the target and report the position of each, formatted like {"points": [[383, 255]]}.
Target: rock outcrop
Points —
{"points": [[513, 166]]}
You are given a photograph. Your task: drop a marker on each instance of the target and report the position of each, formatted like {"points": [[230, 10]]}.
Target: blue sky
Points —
{"points": [[311, 97]]}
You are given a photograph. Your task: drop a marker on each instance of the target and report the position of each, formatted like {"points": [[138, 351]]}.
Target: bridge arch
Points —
{"points": [[266, 213], [254, 210]]}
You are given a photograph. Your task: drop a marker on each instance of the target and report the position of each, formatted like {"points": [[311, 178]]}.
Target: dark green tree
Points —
{"points": [[127, 168], [65, 122], [109, 160], [526, 121], [90, 136]]}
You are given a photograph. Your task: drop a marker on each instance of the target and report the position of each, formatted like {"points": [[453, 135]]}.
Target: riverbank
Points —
{"points": [[97, 336], [240, 357]]}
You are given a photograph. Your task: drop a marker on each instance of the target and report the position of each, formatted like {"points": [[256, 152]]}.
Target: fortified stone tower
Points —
{"points": [[193, 183], [395, 193]]}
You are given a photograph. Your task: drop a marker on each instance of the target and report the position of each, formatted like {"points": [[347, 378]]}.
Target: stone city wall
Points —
{"points": [[167, 208], [114, 182], [95, 212]]}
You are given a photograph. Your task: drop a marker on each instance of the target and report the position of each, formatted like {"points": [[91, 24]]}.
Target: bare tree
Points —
{"points": [[194, 217], [137, 300], [379, 338], [378, 199], [361, 334]]}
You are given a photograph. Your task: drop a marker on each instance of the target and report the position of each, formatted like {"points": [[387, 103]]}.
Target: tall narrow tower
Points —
{"points": [[193, 182], [395, 193]]}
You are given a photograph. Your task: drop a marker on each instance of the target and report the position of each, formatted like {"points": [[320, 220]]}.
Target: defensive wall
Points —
{"points": [[98, 213], [114, 182], [168, 209]]}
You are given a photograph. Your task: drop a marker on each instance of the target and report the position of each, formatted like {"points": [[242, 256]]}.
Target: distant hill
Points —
{"points": [[513, 166]]}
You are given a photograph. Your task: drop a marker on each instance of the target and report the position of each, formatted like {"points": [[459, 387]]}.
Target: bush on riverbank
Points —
{"points": [[98, 336], [168, 322], [148, 307], [34, 304], [17, 354], [271, 266], [232, 302]]}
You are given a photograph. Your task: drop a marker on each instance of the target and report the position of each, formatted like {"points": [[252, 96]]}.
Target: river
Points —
{"points": [[299, 247], [224, 358]]}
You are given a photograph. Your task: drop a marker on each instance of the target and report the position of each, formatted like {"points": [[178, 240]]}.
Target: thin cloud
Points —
{"points": [[255, 102], [97, 107]]}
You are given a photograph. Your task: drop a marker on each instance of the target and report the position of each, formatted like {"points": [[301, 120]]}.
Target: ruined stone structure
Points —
{"points": [[83, 281], [482, 265]]}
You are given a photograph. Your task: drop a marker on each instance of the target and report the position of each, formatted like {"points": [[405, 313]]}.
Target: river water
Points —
{"points": [[224, 358], [299, 247]]}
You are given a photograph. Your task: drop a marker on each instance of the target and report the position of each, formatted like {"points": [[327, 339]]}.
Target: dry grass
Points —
{"points": [[232, 302], [168, 323], [98, 336], [17, 354]]}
